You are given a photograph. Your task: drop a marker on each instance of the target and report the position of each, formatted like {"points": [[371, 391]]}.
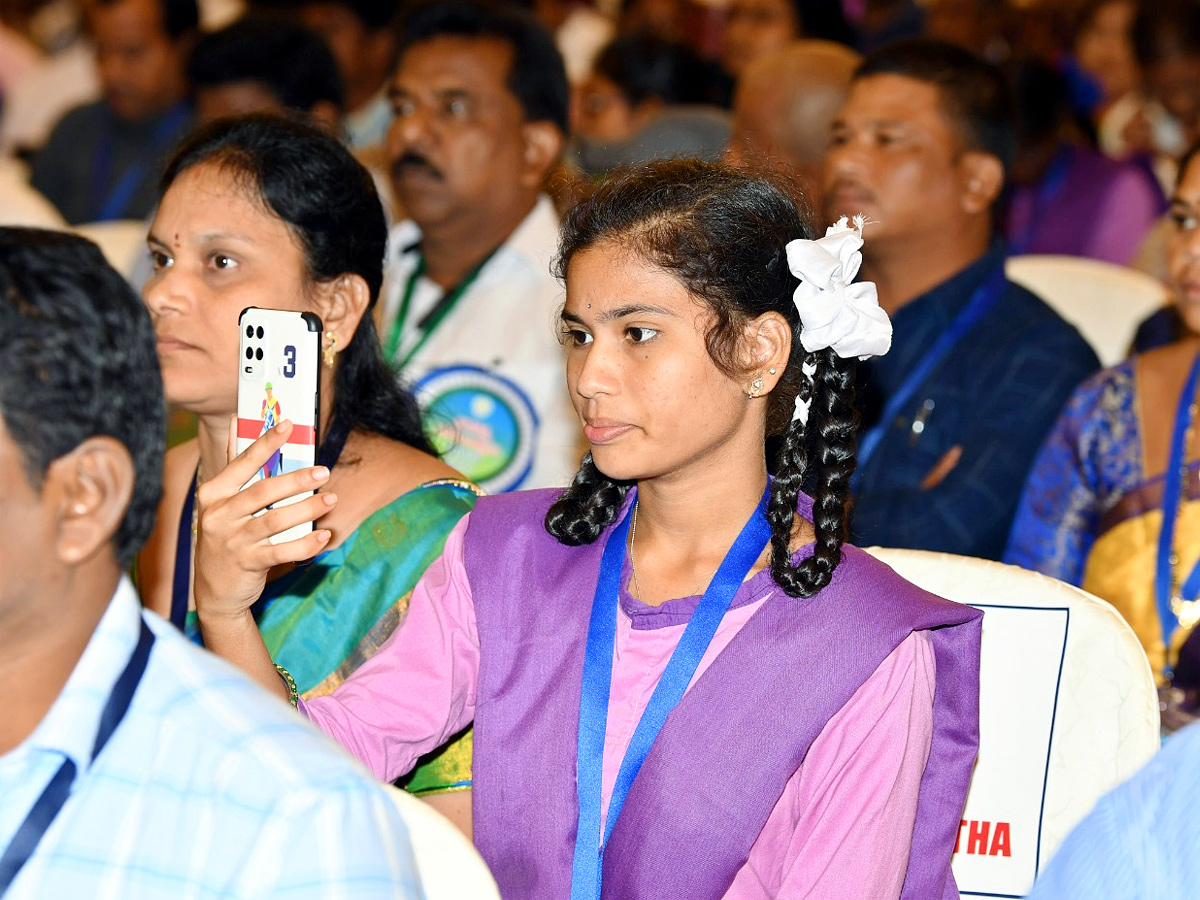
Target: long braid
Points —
{"points": [[830, 437], [791, 467], [836, 423], [587, 507]]}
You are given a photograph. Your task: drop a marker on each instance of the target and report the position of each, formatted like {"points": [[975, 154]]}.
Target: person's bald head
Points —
{"points": [[785, 106]]}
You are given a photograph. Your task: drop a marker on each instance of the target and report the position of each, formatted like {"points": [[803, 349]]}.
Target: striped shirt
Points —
{"points": [[1139, 843], [209, 787]]}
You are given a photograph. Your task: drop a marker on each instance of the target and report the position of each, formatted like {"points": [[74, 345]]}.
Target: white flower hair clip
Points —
{"points": [[834, 313]]}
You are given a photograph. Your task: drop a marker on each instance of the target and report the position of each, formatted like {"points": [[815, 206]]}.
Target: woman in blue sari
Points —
{"points": [[1112, 503]]}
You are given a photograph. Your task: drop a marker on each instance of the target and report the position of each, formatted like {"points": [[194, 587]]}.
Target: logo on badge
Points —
{"points": [[483, 425]]}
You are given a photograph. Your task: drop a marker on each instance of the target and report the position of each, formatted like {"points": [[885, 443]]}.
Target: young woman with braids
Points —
{"points": [[684, 684]]}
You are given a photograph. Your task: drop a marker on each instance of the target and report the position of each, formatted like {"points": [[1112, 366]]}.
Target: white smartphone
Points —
{"points": [[279, 377]]}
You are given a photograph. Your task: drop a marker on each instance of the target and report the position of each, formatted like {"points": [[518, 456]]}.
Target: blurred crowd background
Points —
{"points": [[1106, 96]]}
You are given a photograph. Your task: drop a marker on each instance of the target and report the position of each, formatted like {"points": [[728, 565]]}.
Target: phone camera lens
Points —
{"points": [[258, 353], [249, 331], [260, 334], [249, 353]]}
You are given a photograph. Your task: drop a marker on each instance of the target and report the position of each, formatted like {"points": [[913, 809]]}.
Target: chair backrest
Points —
{"points": [[449, 865], [122, 241], [22, 205], [1103, 300], [1068, 709]]}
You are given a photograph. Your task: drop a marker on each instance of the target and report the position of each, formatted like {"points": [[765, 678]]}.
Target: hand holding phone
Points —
{"points": [[235, 549]]}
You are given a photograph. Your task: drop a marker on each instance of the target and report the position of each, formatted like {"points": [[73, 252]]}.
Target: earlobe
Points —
{"points": [[983, 175], [95, 484], [343, 303], [543, 145], [770, 345]]}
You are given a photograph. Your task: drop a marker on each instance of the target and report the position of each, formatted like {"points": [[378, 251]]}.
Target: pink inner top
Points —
{"points": [[853, 802]]}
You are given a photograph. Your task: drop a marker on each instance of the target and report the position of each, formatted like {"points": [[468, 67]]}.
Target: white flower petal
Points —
{"points": [[833, 312]]}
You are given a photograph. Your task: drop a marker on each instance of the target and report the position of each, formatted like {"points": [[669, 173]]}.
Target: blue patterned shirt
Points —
{"points": [[996, 395], [1139, 843], [208, 788]]}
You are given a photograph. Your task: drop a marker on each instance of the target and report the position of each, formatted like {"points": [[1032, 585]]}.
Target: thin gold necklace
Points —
{"points": [[633, 538]]}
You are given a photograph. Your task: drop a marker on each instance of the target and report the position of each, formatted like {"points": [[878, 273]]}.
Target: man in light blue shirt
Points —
{"points": [[132, 764], [1140, 842]]}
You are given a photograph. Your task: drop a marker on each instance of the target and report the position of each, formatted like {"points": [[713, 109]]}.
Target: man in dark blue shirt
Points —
{"points": [[979, 367], [102, 161]]}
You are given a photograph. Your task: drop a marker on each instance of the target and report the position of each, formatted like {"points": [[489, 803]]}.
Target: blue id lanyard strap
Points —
{"points": [[985, 298], [597, 685], [56, 793], [1173, 488], [111, 204]]}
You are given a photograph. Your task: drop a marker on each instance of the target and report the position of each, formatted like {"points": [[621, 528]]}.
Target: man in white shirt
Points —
{"points": [[133, 763], [480, 99]]}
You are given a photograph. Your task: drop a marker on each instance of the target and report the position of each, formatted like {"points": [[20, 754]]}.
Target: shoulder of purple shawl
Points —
{"points": [[514, 509], [873, 578]]}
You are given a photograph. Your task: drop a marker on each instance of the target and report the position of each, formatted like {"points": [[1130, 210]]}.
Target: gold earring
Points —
{"points": [[330, 349], [756, 387]]}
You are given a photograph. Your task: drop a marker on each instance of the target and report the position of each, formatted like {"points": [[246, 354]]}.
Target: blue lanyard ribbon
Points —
{"points": [[982, 301], [112, 205], [1173, 488], [597, 684], [57, 792]]}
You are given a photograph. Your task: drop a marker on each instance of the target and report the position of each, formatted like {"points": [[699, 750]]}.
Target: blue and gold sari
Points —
{"points": [[1091, 517]]}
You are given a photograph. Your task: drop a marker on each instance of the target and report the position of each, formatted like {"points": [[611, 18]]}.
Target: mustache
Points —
{"points": [[840, 184], [415, 160]]}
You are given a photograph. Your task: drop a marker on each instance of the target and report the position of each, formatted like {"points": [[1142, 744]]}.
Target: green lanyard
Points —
{"points": [[434, 317]]}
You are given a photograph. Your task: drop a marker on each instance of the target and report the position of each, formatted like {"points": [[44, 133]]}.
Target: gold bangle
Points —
{"points": [[293, 693]]}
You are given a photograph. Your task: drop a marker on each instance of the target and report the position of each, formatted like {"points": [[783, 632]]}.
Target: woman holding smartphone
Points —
{"points": [[271, 213], [684, 684]]}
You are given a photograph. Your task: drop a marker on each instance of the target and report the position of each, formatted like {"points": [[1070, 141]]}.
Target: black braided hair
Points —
{"points": [[586, 507], [828, 438], [721, 233]]}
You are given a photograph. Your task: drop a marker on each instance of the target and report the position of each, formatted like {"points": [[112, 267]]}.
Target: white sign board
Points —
{"points": [[997, 854]]}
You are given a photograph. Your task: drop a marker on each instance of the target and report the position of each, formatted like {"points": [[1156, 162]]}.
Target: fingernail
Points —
{"points": [[324, 536], [285, 425], [320, 473], [330, 499]]}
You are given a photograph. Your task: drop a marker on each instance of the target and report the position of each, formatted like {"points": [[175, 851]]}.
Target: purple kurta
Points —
{"points": [[1099, 208], [748, 720]]}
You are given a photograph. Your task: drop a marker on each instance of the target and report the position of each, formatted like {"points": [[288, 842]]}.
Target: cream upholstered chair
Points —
{"points": [[122, 241], [449, 865], [1103, 300], [22, 205], [1068, 709]]}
